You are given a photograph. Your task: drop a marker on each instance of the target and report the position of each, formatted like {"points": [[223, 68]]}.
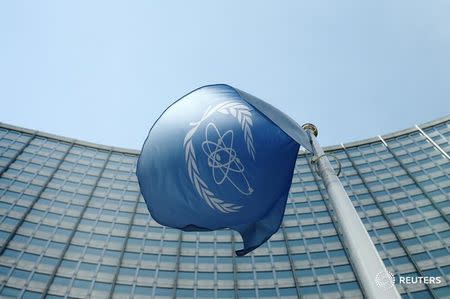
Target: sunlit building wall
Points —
{"points": [[73, 224]]}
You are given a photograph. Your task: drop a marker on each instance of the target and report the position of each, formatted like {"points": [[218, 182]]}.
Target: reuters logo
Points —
{"points": [[385, 280]]}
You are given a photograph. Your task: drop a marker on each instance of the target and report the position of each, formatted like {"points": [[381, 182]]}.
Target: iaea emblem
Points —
{"points": [[222, 157]]}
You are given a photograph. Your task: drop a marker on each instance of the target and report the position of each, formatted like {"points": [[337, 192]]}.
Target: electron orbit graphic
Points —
{"points": [[223, 159]]}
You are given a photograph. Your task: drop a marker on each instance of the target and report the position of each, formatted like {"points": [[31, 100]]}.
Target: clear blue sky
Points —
{"points": [[103, 71]]}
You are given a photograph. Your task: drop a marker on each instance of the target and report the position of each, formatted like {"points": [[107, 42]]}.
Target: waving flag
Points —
{"points": [[220, 158]]}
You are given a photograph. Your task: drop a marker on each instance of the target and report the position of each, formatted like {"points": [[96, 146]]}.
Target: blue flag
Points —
{"points": [[220, 158]]}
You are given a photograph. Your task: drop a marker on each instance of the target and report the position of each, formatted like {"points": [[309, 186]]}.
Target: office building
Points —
{"points": [[73, 224]]}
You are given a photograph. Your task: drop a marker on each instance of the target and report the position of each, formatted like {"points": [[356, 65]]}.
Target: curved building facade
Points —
{"points": [[73, 224]]}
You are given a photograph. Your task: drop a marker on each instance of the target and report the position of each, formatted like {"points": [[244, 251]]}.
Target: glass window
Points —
{"points": [[187, 259], [166, 274], [400, 260], [446, 270], [421, 256], [49, 261], [304, 273], [318, 255], [308, 290], [323, 271], [20, 239], [41, 277], [62, 281], [348, 286], [82, 284], [10, 292], [123, 271], [81, 235], [143, 290], [11, 253], [30, 295], [329, 288], [148, 272], [205, 276], [411, 241], [101, 286], [56, 245], [134, 242], [94, 251], [69, 264], [107, 269], [20, 274], [331, 239], [225, 276], [187, 293], [30, 257], [3, 235], [265, 275], [291, 292], [38, 242], [63, 231], [131, 256], [421, 294], [300, 257], [262, 259], [99, 237], [283, 274], [112, 254], [123, 288], [173, 259], [115, 239], [343, 269], [88, 267], [336, 253], [392, 245], [440, 253], [46, 228], [246, 293], [4, 270], [432, 272], [205, 293]]}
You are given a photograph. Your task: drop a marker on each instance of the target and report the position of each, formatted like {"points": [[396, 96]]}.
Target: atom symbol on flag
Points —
{"points": [[223, 160]]}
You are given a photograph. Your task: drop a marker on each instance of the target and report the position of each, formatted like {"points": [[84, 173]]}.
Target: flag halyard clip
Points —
{"points": [[316, 158]]}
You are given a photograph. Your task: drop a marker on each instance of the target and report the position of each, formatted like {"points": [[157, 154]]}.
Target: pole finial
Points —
{"points": [[313, 128]]}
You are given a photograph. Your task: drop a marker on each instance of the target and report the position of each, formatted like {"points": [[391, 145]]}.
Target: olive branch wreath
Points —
{"points": [[244, 117]]}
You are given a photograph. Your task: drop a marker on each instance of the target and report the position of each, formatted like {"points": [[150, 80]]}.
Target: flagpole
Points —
{"points": [[373, 276]]}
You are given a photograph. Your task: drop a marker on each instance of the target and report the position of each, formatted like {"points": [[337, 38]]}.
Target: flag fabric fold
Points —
{"points": [[220, 158]]}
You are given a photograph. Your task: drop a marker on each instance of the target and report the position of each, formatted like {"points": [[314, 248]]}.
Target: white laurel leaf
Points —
{"points": [[247, 131], [238, 110], [227, 205], [246, 112], [189, 135], [191, 174], [249, 121], [240, 118], [242, 108], [217, 201]]}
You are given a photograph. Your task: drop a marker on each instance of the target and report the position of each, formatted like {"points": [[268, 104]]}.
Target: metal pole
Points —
{"points": [[376, 281]]}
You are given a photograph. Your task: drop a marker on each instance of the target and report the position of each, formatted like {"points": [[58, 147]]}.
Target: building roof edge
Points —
{"points": [[67, 139], [136, 152]]}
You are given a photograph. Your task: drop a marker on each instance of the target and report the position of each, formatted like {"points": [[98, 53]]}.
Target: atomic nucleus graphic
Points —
{"points": [[223, 159]]}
